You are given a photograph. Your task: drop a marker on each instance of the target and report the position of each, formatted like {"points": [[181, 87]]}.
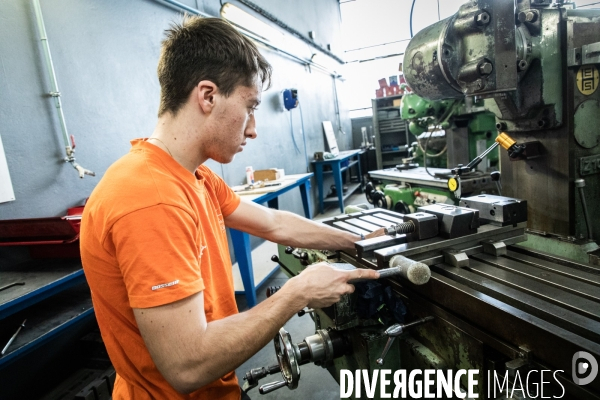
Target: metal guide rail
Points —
{"points": [[488, 303]]}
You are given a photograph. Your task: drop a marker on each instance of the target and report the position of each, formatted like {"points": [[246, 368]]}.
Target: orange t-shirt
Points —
{"points": [[151, 234]]}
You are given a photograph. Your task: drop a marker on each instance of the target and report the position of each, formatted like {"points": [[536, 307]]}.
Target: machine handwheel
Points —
{"points": [[401, 207], [369, 189], [287, 358], [379, 200]]}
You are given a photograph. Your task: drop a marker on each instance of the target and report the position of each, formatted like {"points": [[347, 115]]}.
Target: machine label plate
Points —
{"points": [[587, 79], [589, 165]]}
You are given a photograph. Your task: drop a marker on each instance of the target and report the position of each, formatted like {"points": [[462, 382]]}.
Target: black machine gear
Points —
{"points": [[379, 200], [369, 189]]}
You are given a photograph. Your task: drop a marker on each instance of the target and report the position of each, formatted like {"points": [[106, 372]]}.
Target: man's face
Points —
{"points": [[232, 122]]}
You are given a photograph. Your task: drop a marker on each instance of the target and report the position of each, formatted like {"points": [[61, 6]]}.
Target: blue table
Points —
{"points": [[241, 240], [344, 161]]}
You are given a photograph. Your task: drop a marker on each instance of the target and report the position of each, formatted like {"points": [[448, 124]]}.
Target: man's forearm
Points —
{"points": [[296, 231], [229, 342]]}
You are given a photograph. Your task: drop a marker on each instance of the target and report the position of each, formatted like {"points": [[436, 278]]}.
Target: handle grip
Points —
{"points": [[269, 387]]}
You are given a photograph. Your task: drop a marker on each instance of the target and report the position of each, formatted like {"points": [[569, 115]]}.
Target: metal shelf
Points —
{"points": [[403, 150], [46, 320], [388, 131], [42, 279], [349, 192], [351, 163], [388, 108]]}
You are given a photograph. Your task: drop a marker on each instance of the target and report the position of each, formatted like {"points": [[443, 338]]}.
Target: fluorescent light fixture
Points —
{"points": [[250, 23]]}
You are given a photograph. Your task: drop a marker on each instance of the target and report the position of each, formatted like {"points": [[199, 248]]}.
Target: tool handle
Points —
{"points": [[269, 387], [388, 344], [12, 339], [414, 271]]}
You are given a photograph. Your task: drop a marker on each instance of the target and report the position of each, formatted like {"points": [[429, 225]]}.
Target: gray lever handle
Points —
{"points": [[391, 332], [269, 387], [396, 330], [415, 271]]}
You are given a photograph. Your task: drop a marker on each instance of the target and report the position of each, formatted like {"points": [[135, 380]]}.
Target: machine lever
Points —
{"points": [[274, 258], [414, 271], [308, 311], [254, 375], [396, 330], [269, 387]]}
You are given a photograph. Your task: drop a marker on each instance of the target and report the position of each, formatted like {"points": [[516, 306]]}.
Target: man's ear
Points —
{"points": [[206, 95]]}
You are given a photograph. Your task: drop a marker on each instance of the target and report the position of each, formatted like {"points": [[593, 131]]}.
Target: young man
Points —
{"points": [[153, 239]]}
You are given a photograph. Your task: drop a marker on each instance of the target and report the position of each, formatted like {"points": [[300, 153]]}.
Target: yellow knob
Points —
{"points": [[452, 184], [505, 141]]}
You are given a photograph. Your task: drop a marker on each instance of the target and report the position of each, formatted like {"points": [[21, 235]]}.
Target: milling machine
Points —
{"points": [[466, 130], [457, 293], [491, 303], [449, 132], [535, 65]]}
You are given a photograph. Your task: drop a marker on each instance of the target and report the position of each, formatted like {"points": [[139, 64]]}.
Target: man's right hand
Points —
{"points": [[323, 285]]}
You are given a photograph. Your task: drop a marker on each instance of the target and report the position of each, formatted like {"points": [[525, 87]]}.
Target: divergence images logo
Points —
{"points": [[585, 368]]}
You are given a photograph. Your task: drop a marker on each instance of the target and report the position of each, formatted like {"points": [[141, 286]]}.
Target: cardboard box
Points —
{"points": [[266, 175]]}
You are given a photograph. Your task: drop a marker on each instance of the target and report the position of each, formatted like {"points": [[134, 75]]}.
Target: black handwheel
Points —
{"points": [[369, 188], [401, 207], [379, 200]]}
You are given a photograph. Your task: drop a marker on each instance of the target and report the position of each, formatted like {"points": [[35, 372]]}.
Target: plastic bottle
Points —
{"points": [[249, 175]]}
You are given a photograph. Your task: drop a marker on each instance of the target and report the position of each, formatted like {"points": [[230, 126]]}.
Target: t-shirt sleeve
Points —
{"points": [[158, 254], [228, 199]]}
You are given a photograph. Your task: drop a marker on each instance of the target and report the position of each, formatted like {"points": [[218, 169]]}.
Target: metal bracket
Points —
{"points": [[317, 321], [590, 53], [525, 357], [496, 249], [586, 54], [532, 149], [456, 258]]}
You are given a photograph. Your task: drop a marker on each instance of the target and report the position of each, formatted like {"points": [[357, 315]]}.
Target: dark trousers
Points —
{"points": [[244, 395]]}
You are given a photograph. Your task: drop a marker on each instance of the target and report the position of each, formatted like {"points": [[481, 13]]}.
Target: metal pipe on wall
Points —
{"points": [[55, 93], [288, 28], [303, 61]]}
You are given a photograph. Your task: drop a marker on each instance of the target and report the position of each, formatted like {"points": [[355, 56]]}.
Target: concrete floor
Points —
{"points": [[315, 382]]}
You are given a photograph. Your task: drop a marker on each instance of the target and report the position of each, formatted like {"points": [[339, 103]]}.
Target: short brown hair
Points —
{"points": [[211, 49]]}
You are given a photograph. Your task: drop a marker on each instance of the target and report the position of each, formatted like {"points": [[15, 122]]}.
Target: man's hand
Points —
{"points": [[322, 285]]}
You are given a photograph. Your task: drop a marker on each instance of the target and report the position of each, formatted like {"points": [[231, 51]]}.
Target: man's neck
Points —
{"points": [[180, 137]]}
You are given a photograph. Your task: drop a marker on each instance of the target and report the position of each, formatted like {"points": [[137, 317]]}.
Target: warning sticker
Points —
{"points": [[587, 79]]}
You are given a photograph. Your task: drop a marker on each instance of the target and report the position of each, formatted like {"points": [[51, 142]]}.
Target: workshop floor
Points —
{"points": [[315, 382]]}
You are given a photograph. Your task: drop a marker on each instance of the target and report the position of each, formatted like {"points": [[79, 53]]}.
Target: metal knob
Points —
{"points": [[495, 175], [271, 290]]}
